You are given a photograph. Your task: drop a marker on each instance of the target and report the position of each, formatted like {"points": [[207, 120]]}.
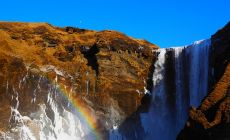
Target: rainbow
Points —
{"points": [[84, 113]]}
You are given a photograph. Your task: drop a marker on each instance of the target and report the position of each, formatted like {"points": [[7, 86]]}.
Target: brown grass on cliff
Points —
{"points": [[116, 65], [218, 95]]}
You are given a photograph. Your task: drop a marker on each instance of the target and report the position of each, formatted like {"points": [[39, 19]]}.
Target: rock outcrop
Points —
{"points": [[106, 70]]}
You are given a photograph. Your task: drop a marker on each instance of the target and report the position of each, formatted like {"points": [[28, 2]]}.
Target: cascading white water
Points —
{"points": [[198, 53], [180, 80], [181, 101], [158, 110], [190, 63]]}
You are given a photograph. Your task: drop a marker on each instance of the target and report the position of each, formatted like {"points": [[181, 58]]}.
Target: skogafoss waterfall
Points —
{"points": [[180, 80]]}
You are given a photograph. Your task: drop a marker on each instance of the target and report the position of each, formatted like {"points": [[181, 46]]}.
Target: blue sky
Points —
{"points": [[163, 22]]}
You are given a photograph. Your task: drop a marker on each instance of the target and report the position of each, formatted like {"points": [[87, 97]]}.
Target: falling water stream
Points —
{"points": [[180, 80]]}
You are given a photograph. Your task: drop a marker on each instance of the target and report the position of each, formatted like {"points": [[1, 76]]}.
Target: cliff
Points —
{"points": [[106, 70]]}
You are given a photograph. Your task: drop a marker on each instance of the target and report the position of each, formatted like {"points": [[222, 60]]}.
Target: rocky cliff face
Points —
{"points": [[106, 71], [211, 120]]}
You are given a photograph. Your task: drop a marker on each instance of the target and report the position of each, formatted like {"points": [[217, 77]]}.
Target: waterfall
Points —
{"points": [[198, 54], [180, 80]]}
